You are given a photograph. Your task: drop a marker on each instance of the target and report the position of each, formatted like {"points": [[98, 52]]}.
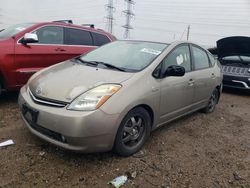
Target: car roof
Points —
{"points": [[72, 25], [174, 43], [144, 41]]}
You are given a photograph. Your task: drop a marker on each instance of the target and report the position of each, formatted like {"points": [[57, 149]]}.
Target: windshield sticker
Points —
{"points": [[20, 28], [150, 51], [179, 59], [182, 58]]}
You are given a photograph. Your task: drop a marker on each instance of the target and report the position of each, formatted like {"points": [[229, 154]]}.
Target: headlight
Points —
{"points": [[94, 98]]}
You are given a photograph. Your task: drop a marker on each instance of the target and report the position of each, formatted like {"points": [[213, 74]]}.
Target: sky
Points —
{"points": [[157, 20]]}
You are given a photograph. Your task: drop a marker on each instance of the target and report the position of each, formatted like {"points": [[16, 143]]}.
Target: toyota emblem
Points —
{"points": [[38, 90]]}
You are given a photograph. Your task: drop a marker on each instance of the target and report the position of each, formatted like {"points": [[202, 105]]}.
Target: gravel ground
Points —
{"points": [[200, 150]]}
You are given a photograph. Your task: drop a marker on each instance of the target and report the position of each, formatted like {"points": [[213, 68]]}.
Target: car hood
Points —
{"points": [[233, 46], [67, 80]]}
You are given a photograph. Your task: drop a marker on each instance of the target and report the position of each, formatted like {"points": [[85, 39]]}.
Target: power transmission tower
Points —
{"points": [[129, 15], [110, 19]]}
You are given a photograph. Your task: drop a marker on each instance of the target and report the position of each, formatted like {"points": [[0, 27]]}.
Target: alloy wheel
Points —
{"points": [[133, 131]]}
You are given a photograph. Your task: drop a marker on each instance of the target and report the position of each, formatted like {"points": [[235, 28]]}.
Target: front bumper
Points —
{"points": [[237, 82], [92, 131]]}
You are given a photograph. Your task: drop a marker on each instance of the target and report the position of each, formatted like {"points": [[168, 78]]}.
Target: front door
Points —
{"points": [[32, 57], [176, 92]]}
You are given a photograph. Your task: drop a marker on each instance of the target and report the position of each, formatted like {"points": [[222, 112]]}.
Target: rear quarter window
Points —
{"points": [[100, 39], [78, 37]]}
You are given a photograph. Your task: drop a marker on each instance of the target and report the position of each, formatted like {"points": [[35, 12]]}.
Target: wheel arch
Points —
{"points": [[2, 80], [149, 110], [219, 88]]}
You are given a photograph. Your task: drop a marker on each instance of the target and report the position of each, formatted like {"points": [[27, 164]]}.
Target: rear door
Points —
{"points": [[204, 76], [77, 41], [32, 57], [176, 92]]}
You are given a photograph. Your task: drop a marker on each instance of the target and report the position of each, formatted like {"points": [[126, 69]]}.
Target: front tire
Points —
{"points": [[133, 132], [212, 102], [1, 88]]}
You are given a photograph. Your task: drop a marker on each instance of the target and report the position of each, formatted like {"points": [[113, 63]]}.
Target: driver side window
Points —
{"points": [[50, 35], [179, 56]]}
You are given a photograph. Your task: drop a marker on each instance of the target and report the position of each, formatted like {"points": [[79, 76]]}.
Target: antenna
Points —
{"points": [[110, 19], [188, 32], [129, 14]]}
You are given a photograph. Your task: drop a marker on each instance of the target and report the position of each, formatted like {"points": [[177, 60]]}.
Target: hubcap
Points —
{"points": [[133, 131], [212, 101]]}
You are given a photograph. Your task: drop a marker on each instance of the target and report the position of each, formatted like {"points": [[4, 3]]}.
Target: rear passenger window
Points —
{"points": [[50, 35], [179, 56], [100, 39], [200, 58], [77, 37]]}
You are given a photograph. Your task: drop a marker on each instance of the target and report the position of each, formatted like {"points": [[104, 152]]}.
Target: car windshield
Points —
{"points": [[13, 30], [131, 56]]}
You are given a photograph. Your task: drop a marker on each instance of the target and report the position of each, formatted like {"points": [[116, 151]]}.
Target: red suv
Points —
{"points": [[27, 48]]}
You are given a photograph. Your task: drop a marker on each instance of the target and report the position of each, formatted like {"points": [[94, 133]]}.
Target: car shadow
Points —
{"points": [[241, 92], [9, 97]]}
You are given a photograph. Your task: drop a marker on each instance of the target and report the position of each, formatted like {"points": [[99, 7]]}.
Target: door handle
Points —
{"points": [[155, 89], [191, 82]]}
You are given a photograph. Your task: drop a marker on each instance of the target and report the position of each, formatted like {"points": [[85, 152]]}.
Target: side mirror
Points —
{"points": [[174, 70], [29, 38]]}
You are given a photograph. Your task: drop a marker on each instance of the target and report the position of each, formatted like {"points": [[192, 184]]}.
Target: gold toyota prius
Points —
{"points": [[114, 96]]}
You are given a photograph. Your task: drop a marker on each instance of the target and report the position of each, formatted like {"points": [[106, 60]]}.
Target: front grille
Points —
{"points": [[232, 70], [51, 134], [46, 101]]}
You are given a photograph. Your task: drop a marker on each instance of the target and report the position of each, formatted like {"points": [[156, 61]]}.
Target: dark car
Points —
{"points": [[29, 47], [234, 56]]}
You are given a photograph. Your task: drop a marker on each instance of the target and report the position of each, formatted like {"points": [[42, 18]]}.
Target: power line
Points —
{"points": [[110, 19], [129, 14]]}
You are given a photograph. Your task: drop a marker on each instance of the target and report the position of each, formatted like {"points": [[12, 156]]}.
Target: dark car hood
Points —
{"points": [[67, 80], [233, 46]]}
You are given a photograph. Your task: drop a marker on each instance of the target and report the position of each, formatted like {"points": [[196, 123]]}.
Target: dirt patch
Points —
{"points": [[197, 151]]}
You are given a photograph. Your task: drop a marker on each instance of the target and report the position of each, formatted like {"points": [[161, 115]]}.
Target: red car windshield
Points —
{"points": [[13, 30]]}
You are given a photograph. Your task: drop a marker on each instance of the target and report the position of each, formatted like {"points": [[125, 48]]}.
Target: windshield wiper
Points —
{"points": [[95, 63], [86, 62], [108, 65]]}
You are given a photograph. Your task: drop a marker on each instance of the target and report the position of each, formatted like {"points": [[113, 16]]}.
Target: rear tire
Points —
{"points": [[133, 132], [212, 102]]}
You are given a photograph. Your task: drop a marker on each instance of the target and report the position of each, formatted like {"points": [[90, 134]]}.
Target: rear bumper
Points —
{"points": [[236, 82], [92, 131]]}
